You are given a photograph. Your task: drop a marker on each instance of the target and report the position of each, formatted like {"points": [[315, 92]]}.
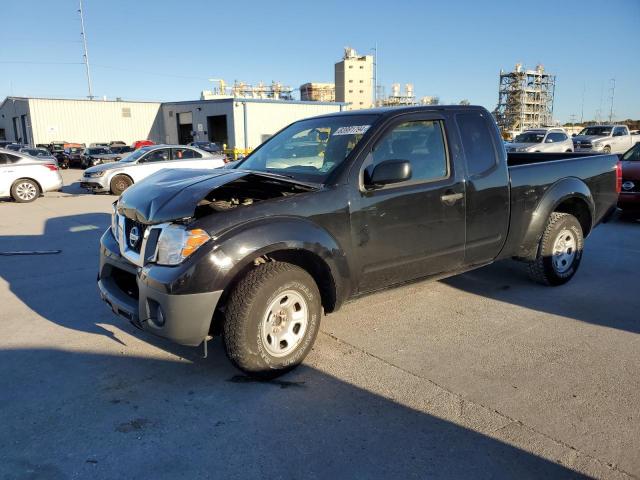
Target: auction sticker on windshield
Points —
{"points": [[353, 130]]}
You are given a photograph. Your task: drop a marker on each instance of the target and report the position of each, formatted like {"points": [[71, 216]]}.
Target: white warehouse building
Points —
{"points": [[45, 120], [241, 123]]}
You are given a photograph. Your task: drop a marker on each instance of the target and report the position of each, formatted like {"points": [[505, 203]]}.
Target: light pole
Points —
{"points": [[86, 52]]}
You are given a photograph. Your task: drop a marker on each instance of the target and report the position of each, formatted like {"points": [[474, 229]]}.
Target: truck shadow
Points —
{"points": [[115, 416], [603, 292]]}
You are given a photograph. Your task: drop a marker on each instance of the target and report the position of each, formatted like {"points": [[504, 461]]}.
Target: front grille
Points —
{"points": [[133, 234], [126, 282]]}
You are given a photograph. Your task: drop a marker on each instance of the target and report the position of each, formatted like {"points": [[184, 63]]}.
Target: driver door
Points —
{"points": [[414, 228]]}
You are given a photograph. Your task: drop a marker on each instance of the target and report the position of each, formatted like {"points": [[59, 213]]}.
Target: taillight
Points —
{"points": [[54, 168], [618, 177]]}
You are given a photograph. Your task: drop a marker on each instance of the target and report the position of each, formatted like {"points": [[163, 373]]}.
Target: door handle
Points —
{"points": [[451, 198]]}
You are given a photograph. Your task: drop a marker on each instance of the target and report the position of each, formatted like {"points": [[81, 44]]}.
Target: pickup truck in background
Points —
{"points": [[256, 251], [603, 139]]}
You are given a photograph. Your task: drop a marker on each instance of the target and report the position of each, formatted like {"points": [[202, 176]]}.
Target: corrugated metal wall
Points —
{"points": [[84, 121]]}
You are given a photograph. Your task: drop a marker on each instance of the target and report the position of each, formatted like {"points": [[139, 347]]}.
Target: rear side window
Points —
{"points": [[477, 143], [185, 153], [8, 159]]}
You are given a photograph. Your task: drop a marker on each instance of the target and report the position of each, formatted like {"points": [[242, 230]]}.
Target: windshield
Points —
{"points": [[530, 137], [98, 151], [37, 152], [632, 155], [135, 155], [599, 131], [310, 150]]}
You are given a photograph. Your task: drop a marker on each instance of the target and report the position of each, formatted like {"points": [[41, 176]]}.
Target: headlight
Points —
{"points": [[96, 174], [176, 243], [114, 220]]}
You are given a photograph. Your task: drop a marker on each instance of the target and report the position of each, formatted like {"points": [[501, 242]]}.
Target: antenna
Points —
{"points": [[584, 87], [86, 52], [613, 93]]}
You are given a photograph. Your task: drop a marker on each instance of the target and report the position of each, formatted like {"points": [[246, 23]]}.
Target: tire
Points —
{"points": [[559, 251], [250, 320], [607, 150], [119, 184], [24, 190]]}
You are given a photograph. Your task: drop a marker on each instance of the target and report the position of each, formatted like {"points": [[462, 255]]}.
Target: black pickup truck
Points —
{"points": [[334, 207]]}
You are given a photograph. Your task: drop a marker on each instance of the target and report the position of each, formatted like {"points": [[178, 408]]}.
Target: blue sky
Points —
{"points": [[161, 50]]}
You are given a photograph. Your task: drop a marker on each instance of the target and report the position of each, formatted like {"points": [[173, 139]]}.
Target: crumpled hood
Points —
{"points": [[588, 138], [174, 194]]}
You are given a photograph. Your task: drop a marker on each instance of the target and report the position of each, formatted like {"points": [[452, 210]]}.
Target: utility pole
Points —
{"points": [[375, 75], [584, 87], [613, 93], [86, 52]]}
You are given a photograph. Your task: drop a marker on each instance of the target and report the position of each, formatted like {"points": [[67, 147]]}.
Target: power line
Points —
{"points": [[28, 62]]}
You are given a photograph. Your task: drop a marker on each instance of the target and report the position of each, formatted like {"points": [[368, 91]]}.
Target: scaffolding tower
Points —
{"points": [[525, 100]]}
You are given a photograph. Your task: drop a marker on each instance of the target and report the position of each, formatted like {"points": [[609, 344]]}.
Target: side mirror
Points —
{"points": [[549, 140], [390, 171], [574, 135]]}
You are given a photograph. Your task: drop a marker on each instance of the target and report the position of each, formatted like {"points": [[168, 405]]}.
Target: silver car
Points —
{"points": [[116, 177], [541, 140]]}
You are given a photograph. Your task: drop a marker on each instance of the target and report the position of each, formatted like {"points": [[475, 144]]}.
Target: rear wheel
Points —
{"points": [[25, 190], [119, 184], [559, 251], [272, 319]]}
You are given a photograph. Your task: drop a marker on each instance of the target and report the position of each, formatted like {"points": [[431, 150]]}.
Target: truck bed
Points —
{"points": [[532, 175]]}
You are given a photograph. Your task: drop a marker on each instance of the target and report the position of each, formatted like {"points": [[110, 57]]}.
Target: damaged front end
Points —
{"points": [[152, 222]]}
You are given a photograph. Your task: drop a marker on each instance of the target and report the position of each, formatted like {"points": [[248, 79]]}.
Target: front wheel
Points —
{"points": [[272, 319], [607, 149], [119, 184], [559, 251]]}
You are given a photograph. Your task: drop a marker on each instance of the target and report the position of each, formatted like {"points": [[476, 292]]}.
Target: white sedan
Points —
{"points": [[24, 178], [116, 177]]}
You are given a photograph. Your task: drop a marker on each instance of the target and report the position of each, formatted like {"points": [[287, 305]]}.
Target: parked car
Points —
{"points": [[117, 177], [99, 144], [629, 199], [116, 143], [41, 153], [391, 196], [121, 149], [72, 156], [541, 140], [210, 147], [142, 143], [24, 178], [603, 138], [4, 143], [93, 156]]}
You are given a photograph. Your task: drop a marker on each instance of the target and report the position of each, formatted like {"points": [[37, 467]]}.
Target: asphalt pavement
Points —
{"points": [[484, 375]]}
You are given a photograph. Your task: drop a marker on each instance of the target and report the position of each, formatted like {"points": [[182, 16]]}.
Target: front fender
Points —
{"points": [[237, 248], [564, 189]]}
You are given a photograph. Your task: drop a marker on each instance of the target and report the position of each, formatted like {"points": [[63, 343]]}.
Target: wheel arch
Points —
{"points": [[569, 195], [294, 240], [27, 178]]}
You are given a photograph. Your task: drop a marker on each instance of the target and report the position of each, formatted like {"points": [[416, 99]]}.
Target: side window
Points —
{"points": [[476, 142], [556, 137], [421, 143], [185, 153], [157, 155]]}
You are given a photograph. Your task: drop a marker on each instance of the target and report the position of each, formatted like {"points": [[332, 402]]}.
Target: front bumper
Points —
{"points": [[95, 184], [182, 318], [629, 201]]}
